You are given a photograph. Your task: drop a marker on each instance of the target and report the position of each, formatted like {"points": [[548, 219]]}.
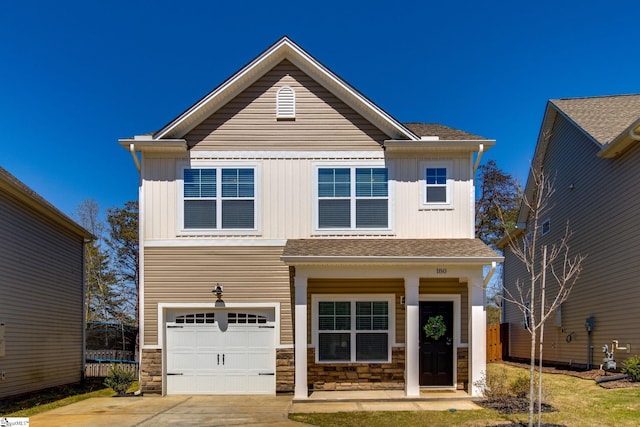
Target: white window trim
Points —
{"points": [[542, 227], [315, 340], [280, 115], [181, 166], [352, 231], [448, 164]]}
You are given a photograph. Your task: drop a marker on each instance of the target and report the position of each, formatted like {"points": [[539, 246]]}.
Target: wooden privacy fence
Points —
{"points": [[497, 342], [101, 369]]}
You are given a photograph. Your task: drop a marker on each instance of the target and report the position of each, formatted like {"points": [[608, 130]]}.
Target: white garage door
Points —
{"points": [[221, 353]]}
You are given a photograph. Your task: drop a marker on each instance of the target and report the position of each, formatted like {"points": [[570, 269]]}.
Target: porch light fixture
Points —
{"points": [[218, 290]]}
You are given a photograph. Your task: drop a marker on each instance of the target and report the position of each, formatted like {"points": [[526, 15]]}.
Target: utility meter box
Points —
{"points": [[2, 347], [588, 324]]}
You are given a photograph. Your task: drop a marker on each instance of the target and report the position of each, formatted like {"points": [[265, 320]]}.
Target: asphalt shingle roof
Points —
{"points": [[602, 117], [391, 248], [441, 131]]}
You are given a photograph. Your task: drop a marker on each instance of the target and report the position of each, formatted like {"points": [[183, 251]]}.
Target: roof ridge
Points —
{"points": [[595, 97]]}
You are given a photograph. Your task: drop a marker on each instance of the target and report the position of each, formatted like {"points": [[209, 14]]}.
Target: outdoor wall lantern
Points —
{"points": [[218, 290]]}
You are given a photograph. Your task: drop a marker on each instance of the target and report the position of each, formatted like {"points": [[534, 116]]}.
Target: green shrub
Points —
{"points": [[519, 386], [631, 367], [119, 379]]}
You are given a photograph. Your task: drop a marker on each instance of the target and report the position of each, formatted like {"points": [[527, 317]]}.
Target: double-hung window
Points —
{"points": [[353, 198], [436, 184], [354, 330], [219, 199]]}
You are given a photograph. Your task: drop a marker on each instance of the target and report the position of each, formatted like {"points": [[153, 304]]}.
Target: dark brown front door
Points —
{"points": [[436, 355]]}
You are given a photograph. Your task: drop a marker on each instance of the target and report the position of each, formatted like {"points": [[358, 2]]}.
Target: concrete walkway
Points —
{"points": [[171, 411], [227, 410]]}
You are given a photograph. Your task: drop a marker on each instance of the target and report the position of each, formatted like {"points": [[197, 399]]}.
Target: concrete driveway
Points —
{"points": [[171, 411]]}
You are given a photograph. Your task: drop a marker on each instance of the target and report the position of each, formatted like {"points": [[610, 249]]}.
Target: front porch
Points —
{"points": [[334, 279]]}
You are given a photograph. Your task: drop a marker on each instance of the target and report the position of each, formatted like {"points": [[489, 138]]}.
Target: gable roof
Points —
{"points": [[281, 50], [611, 122], [387, 250], [602, 118], [13, 186]]}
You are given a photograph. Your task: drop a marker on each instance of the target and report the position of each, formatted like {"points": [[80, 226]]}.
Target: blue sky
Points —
{"points": [[77, 75]]}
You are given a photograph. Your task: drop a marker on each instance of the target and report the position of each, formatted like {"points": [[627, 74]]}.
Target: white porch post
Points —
{"points": [[478, 328], [412, 336], [301, 390]]}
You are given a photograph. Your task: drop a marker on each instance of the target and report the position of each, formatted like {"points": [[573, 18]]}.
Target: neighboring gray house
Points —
{"points": [[41, 292], [592, 147]]}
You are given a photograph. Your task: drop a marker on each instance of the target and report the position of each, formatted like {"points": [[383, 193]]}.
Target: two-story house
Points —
{"points": [[589, 147], [331, 232]]}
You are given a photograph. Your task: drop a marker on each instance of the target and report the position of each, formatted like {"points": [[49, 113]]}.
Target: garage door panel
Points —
{"points": [[240, 359]]}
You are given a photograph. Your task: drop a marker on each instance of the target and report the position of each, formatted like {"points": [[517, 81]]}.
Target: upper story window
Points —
{"points": [[546, 226], [353, 198], [436, 183], [219, 199], [285, 104]]}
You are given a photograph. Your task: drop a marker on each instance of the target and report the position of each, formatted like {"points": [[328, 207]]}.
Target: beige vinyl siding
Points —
{"points": [[602, 212], [360, 287], [189, 274], [452, 287], [416, 221], [286, 203], [322, 121], [41, 300]]}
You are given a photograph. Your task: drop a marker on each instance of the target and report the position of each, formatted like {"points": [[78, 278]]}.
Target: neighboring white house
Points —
{"points": [[41, 292], [334, 231], [590, 147]]}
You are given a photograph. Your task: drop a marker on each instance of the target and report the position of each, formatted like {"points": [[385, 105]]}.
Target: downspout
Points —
{"points": [[489, 275], [132, 150], [478, 158]]}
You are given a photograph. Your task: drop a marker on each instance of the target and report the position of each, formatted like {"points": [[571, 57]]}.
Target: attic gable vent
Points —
{"points": [[286, 104]]}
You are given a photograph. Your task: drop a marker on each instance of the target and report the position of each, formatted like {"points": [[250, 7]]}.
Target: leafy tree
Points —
{"points": [[124, 243], [497, 210], [498, 205]]}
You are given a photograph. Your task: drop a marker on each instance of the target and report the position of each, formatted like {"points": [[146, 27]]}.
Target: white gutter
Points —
{"points": [[480, 151], [490, 273], [307, 259], [633, 135], [132, 150]]}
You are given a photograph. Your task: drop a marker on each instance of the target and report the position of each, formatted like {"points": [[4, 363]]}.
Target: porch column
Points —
{"points": [[301, 390], [412, 335], [478, 335]]}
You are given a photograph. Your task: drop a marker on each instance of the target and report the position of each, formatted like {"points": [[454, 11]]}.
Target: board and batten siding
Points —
{"points": [[322, 121], [41, 300], [250, 274], [599, 200], [286, 202]]}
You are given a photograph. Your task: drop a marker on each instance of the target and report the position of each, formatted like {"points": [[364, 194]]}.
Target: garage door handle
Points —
{"points": [[266, 373], [171, 373]]}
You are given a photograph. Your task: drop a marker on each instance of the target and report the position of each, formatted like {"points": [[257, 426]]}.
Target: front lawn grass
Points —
{"points": [[578, 402], [45, 400]]}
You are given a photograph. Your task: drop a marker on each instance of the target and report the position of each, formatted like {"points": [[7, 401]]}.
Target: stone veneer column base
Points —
{"points": [[151, 371], [285, 370]]}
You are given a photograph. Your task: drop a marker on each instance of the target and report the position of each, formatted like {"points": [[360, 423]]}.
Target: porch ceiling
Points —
{"points": [[388, 250]]}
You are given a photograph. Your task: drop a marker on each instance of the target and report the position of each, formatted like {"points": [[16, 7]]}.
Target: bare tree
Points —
{"points": [[539, 260]]}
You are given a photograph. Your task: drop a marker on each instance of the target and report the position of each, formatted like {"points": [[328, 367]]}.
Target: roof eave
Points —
{"points": [[154, 145], [306, 259], [621, 142], [469, 145]]}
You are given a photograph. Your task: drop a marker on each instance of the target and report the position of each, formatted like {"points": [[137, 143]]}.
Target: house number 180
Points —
{"points": [[441, 271]]}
